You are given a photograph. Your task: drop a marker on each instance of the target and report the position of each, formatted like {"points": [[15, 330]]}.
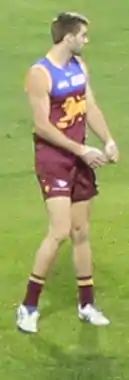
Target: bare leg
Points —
{"points": [[83, 264], [59, 210], [82, 254]]}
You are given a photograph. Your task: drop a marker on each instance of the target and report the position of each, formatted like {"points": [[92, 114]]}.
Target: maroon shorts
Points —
{"points": [[78, 182]]}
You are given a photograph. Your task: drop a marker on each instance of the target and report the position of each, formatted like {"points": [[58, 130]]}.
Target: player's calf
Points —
{"points": [[27, 314]]}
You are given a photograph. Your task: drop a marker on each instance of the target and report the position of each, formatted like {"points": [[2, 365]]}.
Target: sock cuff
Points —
{"points": [[37, 279], [85, 281]]}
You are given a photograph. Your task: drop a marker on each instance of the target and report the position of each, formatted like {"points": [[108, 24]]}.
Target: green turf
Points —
{"points": [[64, 348]]}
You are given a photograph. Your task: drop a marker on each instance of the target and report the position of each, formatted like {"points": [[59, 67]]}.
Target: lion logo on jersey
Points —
{"points": [[72, 107]]}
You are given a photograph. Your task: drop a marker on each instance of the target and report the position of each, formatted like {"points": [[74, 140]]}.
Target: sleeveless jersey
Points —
{"points": [[67, 104]]}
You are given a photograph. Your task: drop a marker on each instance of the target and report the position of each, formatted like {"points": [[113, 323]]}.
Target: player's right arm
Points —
{"points": [[38, 89]]}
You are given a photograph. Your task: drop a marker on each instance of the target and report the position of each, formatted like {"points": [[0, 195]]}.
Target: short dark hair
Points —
{"points": [[64, 23]]}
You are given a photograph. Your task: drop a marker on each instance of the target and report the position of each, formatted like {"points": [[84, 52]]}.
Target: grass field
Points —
{"points": [[64, 348]]}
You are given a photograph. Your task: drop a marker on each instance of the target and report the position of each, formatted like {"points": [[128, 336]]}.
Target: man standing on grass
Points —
{"points": [[63, 105]]}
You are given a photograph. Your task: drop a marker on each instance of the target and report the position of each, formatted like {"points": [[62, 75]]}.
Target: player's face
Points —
{"points": [[79, 40]]}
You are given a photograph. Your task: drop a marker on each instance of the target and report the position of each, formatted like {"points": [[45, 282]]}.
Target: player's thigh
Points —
{"points": [[80, 219], [55, 185], [80, 213], [59, 211]]}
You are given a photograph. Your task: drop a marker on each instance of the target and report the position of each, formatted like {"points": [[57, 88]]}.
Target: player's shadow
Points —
{"points": [[85, 361]]}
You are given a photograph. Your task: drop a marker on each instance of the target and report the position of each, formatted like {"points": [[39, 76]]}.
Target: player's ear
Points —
{"points": [[68, 38]]}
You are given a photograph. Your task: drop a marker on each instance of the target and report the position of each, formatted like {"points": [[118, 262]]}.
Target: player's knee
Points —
{"points": [[60, 234], [80, 233]]}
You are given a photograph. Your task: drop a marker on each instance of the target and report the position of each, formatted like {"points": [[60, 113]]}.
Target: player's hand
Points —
{"points": [[111, 151], [93, 157]]}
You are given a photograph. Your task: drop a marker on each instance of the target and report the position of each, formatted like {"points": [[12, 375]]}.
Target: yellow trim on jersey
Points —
{"points": [[53, 61]]}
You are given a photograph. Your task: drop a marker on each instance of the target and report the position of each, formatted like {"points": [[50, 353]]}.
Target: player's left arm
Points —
{"points": [[97, 123]]}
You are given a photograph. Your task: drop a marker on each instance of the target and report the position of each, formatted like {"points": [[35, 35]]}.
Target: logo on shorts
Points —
{"points": [[61, 183]]}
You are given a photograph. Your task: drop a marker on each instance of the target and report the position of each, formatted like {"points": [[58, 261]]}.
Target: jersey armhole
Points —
{"points": [[46, 72]]}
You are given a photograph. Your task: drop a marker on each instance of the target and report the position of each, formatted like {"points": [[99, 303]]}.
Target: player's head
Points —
{"points": [[71, 29]]}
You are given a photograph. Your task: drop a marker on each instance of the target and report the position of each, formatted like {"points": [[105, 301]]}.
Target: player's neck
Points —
{"points": [[59, 55]]}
